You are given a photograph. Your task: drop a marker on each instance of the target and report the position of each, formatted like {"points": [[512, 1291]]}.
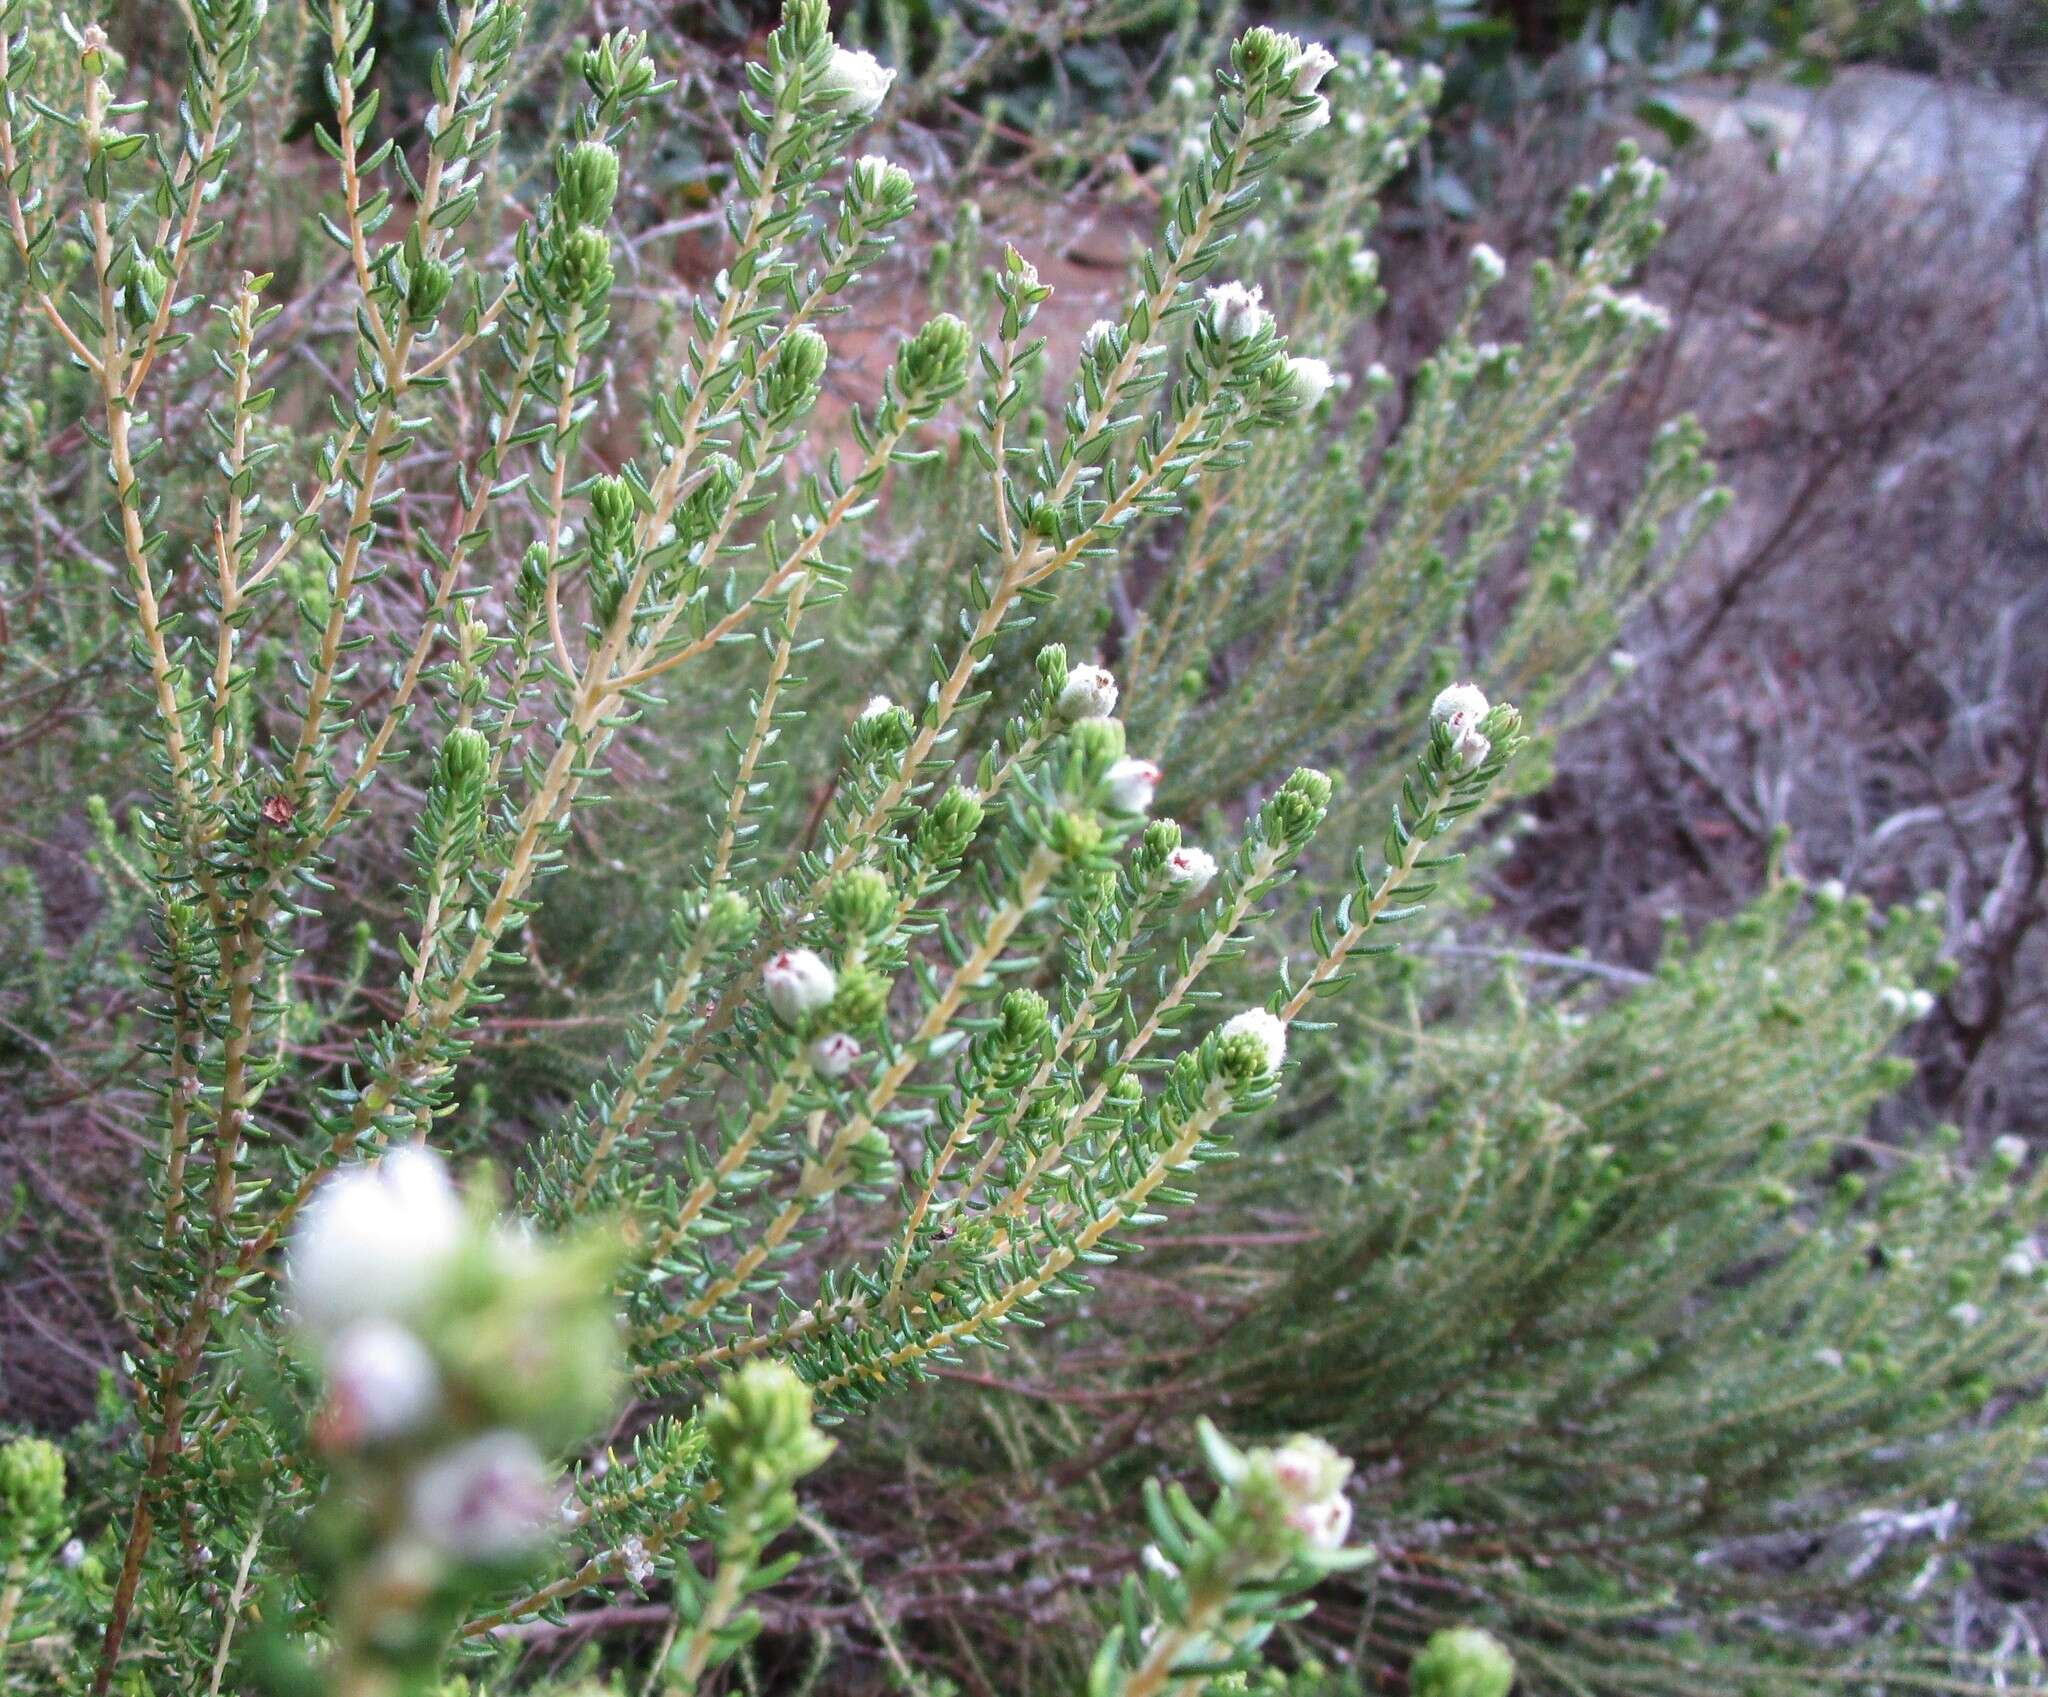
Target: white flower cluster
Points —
{"points": [[799, 983], [1310, 1476], [1461, 710], [855, 82], [1237, 312], [1266, 1028], [362, 1270], [1906, 1003]]}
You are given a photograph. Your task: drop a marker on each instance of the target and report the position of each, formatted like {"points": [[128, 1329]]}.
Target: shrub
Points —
{"points": [[930, 1031]]}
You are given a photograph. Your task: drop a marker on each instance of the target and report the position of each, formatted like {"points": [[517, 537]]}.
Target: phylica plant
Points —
{"points": [[918, 1058]]}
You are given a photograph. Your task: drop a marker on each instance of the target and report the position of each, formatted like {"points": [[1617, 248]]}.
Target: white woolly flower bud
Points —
{"points": [[798, 982], [1235, 312], [2009, 1151], [1488, 268], [1919, 1004], [855, 81], [1182, 88], [1190, 870], [1308, 381], [2020, 1263], [1270, 1033], [635, 1562], [1313, 63], [381, 1383], [1461, 709], [1090, 692], [1832, 891], [484, 1500], [833, 1055], [1131, 784], [373, 1241], [1894, 1000], [1093, 336], [876, 707], [1323, 1525], [1459, 706], [1307, 1469]]}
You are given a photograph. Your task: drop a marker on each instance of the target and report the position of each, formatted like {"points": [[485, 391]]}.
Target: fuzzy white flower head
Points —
{"points": [[2020, 1263], [1460, 706], [877, 706], [1461, 709], [1310, 65], [1919, 1004], [833, 1055], [1639, 313], [1832, 891], [1894, 1000], [1307, 1470], [1090, 692], [1488, 268], [1235, 312], [1190, 869], [2009, 1150], [1131, 784], [1354, 123], [1323, 1525], [1183, 88], [1364, 266], [1308, 380], [798, 982], [1828, 1358], [855, 81], [1266, 1028], [484, 1500], [373, 1241], [1093, 337], [1194, 149], [1621, 663], [72, 1555], [635, 1562], [1966, 1314], [381, 1383]]}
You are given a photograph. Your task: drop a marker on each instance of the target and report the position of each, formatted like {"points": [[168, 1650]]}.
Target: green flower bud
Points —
{"points": [[617, 68], [612, 512], [143, 291], [1462, 1661], [427, 289], [1053, 667], [860, 902], [1073, 836], [883, 190], [704, 510], [729, 917], [1262, 52], [760, 1431], [1025, 1019], [31, 1488], [858, 1003], [586, 179], [1095, 746], [1297, 808], [883, 729], [790, 386], [582, 267], [932, 364], [945, 831], [465, 759]]}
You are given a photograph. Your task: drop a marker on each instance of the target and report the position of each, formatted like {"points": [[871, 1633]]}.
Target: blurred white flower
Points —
{"points": [[373, 1241]]}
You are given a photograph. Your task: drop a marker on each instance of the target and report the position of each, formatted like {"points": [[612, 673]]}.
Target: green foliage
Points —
{"points": [[882, 1017]]}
